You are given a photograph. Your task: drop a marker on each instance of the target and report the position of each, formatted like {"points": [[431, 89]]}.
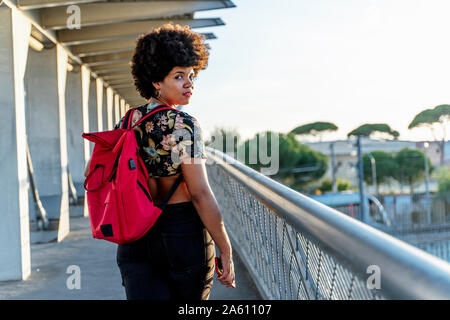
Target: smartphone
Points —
{"points": [[219, 268]]}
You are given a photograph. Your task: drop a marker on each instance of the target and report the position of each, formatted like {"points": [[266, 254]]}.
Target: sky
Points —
{"points": [[279, 64]]}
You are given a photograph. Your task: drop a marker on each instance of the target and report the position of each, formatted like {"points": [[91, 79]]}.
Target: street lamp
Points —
{"points": [[362, 198], [333, 168], [374, 172], [427, 188]]}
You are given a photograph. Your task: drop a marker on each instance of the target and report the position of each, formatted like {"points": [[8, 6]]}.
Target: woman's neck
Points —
{"points": [[161, 101]]}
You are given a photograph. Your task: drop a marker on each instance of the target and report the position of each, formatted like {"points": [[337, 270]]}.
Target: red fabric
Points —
{"points": [[121, 209]]}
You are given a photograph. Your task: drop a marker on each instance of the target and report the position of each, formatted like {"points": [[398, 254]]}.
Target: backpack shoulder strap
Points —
{"points": [[127, 118], [154, 110], [171, 192]]}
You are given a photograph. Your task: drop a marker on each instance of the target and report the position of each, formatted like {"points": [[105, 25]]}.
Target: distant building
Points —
{"points": [[346, 159], [433, 152]]}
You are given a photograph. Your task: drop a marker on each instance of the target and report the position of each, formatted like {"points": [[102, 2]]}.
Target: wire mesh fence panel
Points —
{"points": [[413, 221], [289, 264], [296, 248]]}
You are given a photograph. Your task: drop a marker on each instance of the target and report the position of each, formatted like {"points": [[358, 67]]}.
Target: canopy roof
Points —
{"points": [[108, 30]]}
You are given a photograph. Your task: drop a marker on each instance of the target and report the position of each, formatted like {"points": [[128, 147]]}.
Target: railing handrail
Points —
{"points": [[406, 271]]}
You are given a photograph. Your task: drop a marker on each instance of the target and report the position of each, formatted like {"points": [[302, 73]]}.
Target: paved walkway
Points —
{"points": [[100, 276]]}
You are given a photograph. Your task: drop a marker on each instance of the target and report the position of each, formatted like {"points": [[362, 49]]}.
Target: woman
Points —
{"points": [[175, 259]]}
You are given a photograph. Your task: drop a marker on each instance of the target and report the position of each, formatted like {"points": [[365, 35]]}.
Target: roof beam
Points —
{"points": [[122, 86], [38, 4], [111, 66], [107, 62], [111, 73], [125, 69], [120, 76], [112, 46], [130, 90], [121, 81], [101, 59], [84, 50], [124, 29], [113, 12]]}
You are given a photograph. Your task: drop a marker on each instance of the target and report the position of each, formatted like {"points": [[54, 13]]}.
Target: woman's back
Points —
{"points": [[165, 138]]}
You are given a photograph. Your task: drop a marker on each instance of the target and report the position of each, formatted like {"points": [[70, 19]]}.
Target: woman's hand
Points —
{"points": [[205, 203], [227, 277]]}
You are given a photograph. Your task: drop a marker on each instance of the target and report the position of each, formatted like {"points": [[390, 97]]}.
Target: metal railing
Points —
{"points": [[296, 248]]}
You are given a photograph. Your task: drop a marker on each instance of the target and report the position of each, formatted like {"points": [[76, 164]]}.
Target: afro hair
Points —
{"points": [[160, 50]]}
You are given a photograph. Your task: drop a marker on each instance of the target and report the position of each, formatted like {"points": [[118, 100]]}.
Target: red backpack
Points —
{"points": [[121, 209]]}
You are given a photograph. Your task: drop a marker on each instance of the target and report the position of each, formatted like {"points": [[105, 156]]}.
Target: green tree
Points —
{"points": [[315, 129], [325, 185], [385, 166], [369, 130], [299, 165], [343, 184], [411, 166], [442, 176], [430, 118], [225, 140]]}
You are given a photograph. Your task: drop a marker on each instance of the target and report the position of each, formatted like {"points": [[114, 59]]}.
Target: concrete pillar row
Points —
{"points": [[109, 107], [99, 86], [15, 258]]}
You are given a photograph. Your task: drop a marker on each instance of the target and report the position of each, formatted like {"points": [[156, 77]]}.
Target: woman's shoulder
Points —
{"points": [[169, 119], [188, 118]]}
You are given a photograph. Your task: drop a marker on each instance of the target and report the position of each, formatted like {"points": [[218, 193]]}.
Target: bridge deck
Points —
{"points": [[100, 276]]}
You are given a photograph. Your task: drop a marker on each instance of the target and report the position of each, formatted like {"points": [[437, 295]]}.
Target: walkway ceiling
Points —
{"points": [[108, 31]]}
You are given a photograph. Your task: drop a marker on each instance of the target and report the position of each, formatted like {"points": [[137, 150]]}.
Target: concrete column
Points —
{"points": [[93, 114], [47, 136], [14, 226], [116, 108], [75, 143], [61, 66], [104, 112], [99, 87], [85, 79], [122, 107], [109, 107], [93, 127]]}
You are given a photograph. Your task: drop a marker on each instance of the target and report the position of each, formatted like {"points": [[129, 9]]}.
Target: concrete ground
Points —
{"points": [[53, 265]]}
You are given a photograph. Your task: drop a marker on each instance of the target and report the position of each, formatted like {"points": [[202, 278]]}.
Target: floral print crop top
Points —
{"points": [[165, 138]]}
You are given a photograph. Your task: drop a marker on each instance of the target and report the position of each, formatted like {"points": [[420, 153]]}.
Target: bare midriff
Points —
{"points": [[159, 188]]}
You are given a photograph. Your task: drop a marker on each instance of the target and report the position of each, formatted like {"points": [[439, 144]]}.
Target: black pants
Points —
{"points": [[173, 261]]}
